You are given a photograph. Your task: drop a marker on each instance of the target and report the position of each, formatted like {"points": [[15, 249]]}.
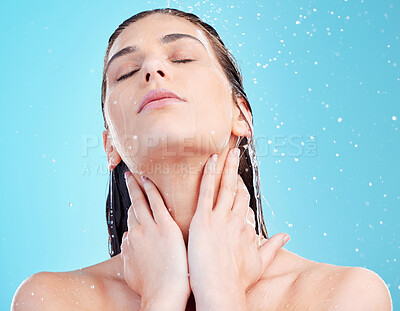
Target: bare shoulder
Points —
{"points": [[292, 282], [358, 288], [330, 287], [98, 287], [58, 290]]}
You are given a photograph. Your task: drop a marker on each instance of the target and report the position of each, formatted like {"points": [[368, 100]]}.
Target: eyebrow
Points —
{"points": [[164, 40]]}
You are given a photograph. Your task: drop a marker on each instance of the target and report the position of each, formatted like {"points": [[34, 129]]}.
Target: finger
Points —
{"points": [[157, 205], [228, 186], [138, 200], [260, 240], [242, 199], [249, 233], [206, 195], [270, 249], [132, 219], [250, 219], [124, 244]]}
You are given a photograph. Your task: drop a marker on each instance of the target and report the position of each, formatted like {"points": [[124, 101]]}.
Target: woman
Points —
{"points": [[194, 237]]}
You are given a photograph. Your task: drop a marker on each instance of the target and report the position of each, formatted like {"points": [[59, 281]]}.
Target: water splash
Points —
{"points": [[110, 216], [256, 183]]}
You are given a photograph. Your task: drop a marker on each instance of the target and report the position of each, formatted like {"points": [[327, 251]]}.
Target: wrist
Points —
{"points": [[166, 303], [165, 299], [221, 298]]}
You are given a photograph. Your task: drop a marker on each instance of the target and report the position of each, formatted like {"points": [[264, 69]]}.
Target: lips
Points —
{"points": [[156, 95]]}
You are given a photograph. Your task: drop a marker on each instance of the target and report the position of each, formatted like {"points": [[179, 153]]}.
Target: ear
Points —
{"points": [[239, 124], [113, 157]]}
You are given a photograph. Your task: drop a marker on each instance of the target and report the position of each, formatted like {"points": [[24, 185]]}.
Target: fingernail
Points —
{"points": [[286, 238]]}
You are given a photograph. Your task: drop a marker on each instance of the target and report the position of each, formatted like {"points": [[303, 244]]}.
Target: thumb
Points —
{"points": [[269, 248]]}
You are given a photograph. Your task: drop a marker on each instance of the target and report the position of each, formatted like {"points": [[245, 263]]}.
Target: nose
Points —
{"points": [[157, 73], [154, 69]]}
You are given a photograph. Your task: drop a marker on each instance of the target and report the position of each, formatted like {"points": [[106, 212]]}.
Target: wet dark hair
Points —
{"points": [[118, 200]]}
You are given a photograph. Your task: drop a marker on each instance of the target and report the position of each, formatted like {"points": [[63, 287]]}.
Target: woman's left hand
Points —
{"points": [[223, 254]]}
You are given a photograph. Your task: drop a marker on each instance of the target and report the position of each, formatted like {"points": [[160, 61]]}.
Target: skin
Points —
{"points": [[212, 285], [210, 200], [212, 123], [182, 137]]}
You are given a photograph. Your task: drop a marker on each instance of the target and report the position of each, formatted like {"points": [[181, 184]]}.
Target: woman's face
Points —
{"points": [[198, 125]]}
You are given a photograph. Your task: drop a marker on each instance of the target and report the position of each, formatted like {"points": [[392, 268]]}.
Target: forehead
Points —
{"points": [[149, 29]]}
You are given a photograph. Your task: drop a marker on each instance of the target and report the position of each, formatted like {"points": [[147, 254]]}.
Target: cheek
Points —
{"points": [[119, 111], [214, 114]]}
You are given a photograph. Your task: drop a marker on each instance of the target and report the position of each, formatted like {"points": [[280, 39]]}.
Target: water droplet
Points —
{"points": [[91, 286]]}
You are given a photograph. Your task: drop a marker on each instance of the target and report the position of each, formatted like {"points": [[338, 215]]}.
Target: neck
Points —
{"points": [[178, 182]]}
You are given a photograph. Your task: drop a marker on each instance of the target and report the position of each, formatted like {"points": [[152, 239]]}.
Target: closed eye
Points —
{"points": [[134, 71]]}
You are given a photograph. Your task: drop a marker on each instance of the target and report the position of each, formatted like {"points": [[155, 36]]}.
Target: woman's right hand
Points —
{"points": [[153, 249]]}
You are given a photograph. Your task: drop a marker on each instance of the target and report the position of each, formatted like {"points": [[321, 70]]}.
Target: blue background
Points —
{"points": [[323, 79]]}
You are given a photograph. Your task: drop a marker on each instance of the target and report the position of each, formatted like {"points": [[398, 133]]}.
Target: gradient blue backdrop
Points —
{"points": [[323, 79]]}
